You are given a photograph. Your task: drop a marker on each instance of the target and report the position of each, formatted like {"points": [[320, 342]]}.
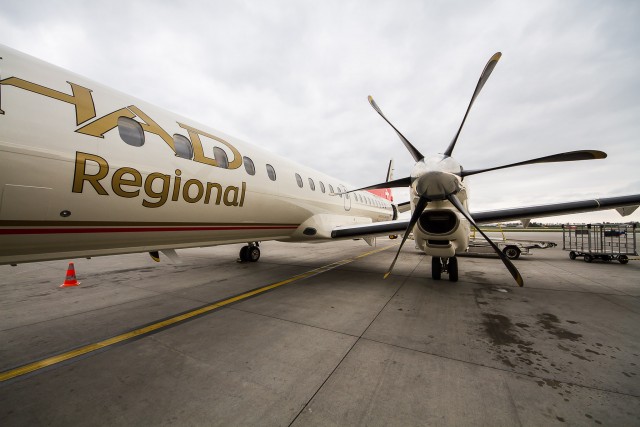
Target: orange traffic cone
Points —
{"points": [[70, 280]]}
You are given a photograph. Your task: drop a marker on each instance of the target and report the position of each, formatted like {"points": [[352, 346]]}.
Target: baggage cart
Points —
{"points": [[512, 248], [607, 242]]}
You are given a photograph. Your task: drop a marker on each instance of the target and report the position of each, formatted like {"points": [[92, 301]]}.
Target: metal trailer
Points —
{"points": [[607, 242], [510, 247]]}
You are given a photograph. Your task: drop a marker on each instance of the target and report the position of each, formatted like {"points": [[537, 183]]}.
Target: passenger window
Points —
{"points": [[183, 146], [130, 131], [321, 186], [312, 185], [299, 180], [271, 172], [249, 166], [221, 157]]}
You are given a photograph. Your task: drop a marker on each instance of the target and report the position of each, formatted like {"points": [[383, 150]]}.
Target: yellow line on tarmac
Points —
{"points": [[50, 361]]}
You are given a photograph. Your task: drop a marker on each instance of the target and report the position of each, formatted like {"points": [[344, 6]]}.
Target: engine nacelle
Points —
{"points": [[441, 232]]}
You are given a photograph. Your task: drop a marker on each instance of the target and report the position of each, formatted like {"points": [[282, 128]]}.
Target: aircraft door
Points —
{"points": [[347, 200]]}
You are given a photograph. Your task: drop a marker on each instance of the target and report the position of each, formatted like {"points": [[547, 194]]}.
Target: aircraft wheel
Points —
{"points": [[588, 258], [436, 268], [453, 269], [254, 253], [244, 254], [511, 252], [623, 259], [572, 255]]}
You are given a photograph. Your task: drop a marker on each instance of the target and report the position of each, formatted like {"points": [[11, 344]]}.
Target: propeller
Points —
{"points": [[512, 268], [438, 178], [422, 203], [493, 61], [570, 156], [417, 156]]}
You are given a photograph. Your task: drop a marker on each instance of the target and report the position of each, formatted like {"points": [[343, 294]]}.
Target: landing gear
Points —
{"points": [[453, 269], [446, 265], [436, 268], [250, 253]]}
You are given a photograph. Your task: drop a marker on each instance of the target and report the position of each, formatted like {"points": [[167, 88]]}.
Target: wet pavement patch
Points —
{"points": [[500, 330], [550, 323]]}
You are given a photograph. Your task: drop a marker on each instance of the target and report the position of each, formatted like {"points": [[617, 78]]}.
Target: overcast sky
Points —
{"points": [[293, 77]]}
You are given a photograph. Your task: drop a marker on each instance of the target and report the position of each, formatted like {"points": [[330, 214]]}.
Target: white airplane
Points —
{"points": [[88, 171]]}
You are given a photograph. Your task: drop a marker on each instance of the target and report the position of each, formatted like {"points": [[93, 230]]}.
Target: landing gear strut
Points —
{"points": [[444, 265], [251, 252]]}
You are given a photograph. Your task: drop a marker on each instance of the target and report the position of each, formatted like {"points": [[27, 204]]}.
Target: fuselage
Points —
{"points": [[86, 170]]}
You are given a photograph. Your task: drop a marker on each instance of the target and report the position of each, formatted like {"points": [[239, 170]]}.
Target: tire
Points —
{"points": [[588, 258], [623, 259], [453, 269], [436, 268], [572, 255], [254, 253], [244, 254], [511, 252]]}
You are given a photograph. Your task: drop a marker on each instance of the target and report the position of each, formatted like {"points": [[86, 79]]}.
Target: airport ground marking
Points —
{"points": [[172, 321]]}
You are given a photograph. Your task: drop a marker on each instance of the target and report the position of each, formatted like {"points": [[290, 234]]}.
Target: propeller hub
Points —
{"points": [[436, 177], [437, 185]]}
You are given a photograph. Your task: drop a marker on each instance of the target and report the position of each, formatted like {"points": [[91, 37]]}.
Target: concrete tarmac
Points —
{"points": [[339, 347]]}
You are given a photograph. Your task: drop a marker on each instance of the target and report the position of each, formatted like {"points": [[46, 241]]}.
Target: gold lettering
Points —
{"points": [[176, 186], [104, 124], [218, 187], [162, 195], [198, 151], [185, 191], [152, 127], [117, 181], [80, 176], [81, 98], [227, 191], [244, 188]]}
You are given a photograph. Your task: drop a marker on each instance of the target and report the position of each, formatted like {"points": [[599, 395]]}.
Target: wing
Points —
{"points": [[370, 230], [624, 204]]}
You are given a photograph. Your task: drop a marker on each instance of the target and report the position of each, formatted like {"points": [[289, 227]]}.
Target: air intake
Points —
{"points": [[438, 222]]}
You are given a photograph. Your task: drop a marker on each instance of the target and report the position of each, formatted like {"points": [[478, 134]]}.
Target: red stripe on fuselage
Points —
{"points": [[138, 229]]}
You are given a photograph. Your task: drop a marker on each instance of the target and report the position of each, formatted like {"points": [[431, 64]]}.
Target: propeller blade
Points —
{"points": [[483, 79], [402, 182], [570, 156], [417, 156], [422, 203], [512, 268]]}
